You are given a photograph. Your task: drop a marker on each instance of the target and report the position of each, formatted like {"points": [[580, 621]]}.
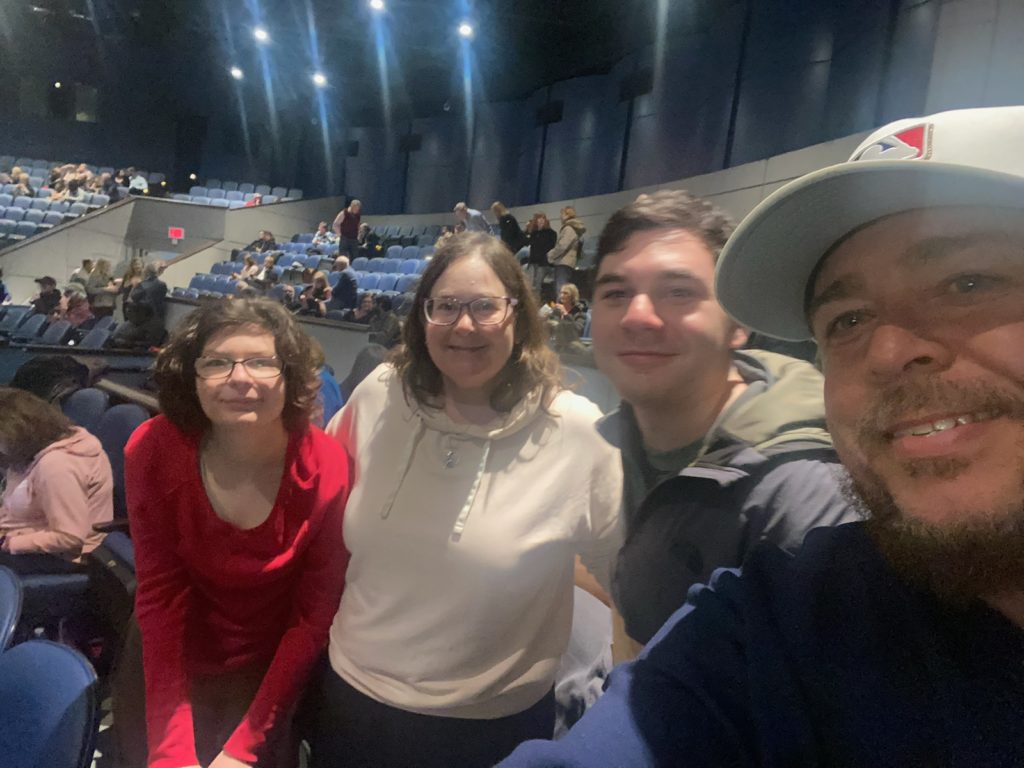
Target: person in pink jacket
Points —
{"points": [[58, 484]]}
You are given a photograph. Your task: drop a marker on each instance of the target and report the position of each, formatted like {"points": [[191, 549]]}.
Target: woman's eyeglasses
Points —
{"points": [[222, 367], [487, 310]]}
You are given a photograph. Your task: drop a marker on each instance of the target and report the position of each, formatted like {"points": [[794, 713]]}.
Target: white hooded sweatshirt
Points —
{"points": [[458, 598]]}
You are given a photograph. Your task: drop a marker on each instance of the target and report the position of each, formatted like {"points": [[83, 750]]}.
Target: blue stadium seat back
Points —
{"points": [[43, 193], [426, 252], [53, 218], [178, 292], [359, 263], [86, 406], [391, 264], [375, 265], [113, 431], [220, 203], [7, 161], [233, 194], [306, 237], [368, 282], [13, 318], [24, 229], [387, 282], [313, 262], [49, 705], [10, 605], [246, 188], [248, 196], [276, 292], [262, 189], [9, 189], [422, 267], [6, 227], [329, 249], [13, 213], [213, 184], [97, 337], [219, 268], [56, 333], [107, 323], [39, 204], [268, 199], [232, 204], [394, 252], [216, 193], [407, 283], [196, 281], [30, 329], [6, 200], [277, 272], [229, 186], [410, 252], [77, 209], [181, 197], [201, 200], [123, 191], [198, 191], [86, 198], [192, 293], [279, 192], [333, 278], [23, 201], [34, 215], [60, 206], [295, 193], [24, 162]]}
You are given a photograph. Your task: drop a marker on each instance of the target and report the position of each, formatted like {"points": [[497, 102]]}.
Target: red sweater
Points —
{"points": [[212, 597]]}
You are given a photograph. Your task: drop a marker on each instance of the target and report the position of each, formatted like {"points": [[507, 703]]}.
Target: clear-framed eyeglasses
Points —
{"points": [[486, 310], [222, 367]]}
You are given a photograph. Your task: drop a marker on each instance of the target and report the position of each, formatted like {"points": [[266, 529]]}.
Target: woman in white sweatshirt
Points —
{"points": [[477, 479]]}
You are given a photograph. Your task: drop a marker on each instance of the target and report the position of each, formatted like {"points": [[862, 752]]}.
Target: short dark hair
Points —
{"points": [[29, 424], [666, 209], [532, 363], [301, 357]]}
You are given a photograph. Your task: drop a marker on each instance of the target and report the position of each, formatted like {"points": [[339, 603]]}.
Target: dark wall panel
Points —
{"points": [[376, 174], [438, 171], [529, 151], [497, 144]]}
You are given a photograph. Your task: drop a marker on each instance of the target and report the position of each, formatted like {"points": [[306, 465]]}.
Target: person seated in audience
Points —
{"points": [[15, 174], [446, 233], [460, 592], [74, 308], [264, 243], [323, 235], [265, 277], [570, 308], [255, 200], [541, 238], [101, 289], [24, 186], [346, 291], [107, 185], [83, 174], [368, 241], [72, 193], [249, 267], [142, 329], [138, 184], [509, 230], [315, 296], [5, 178], [288, 298], [57, 486], [470, 218], [131, 278], [48, 299], [384, 327], [236, 507], [364, 312], [123, 177]]}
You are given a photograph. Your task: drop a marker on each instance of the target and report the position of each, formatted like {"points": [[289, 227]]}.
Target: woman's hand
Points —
{"points": [[224, 760]]}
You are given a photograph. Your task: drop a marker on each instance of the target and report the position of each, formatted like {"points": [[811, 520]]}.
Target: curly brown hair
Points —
{"points": [[532, 363], [27, 425], [300, 354], [666, 209]]}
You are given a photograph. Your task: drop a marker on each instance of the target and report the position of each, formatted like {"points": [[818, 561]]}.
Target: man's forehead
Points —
{"points": [[659, 250]]}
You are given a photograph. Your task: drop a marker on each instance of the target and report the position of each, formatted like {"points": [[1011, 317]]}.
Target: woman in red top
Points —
{"points": [[235, 503]]}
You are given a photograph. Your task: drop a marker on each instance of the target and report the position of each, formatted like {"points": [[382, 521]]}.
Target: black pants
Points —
{"points": [[354, 731]]}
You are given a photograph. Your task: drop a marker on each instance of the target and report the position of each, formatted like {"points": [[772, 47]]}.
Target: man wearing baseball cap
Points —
{"points": [[48, 298], [897, 641]]}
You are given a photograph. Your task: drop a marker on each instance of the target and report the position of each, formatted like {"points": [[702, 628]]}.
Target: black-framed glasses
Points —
{"points": [[486, 310], [222, 367]]}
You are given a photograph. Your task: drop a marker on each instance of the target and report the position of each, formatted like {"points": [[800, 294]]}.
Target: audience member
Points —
{"points": [[446, 233], [696, 407], [315, 296], [255, 200], [138, 184], [510, 232], [142, 329], [74, 307], [128, 281], [455, 615], [57, 486], [894, 641], [565, 255], [346, 227], [24, 186], [470, 218], [101, 289], [384, 328], [236, 505], [323, 235], [249, 267], [369, 241], [265, 277], [365, 311], [81, 274], [288, 299], [346, 291], [264, 243], [542, 240], [108, 187], [72, 193], [571, 308], [48, 299], [151, 291]]}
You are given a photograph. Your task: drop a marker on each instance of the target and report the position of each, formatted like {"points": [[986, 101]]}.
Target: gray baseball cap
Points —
{"points": [[962, 157]]}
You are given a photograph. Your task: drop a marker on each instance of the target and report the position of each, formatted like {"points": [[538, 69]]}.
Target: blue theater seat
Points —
{"points": [[77, 209], [406, 283], [44, 193], [6, 200], [96, 338], [294, 194], [262, 189], [23, 201], [86, 406], [368, 282], [246, 188], [60, 206], [279, 191], [268, 199], [213, 184], [216, 193], [229, 186], [34, 215], [359, 263], [409, 252], [13, 213], [40, 204], [220, 203], [201, 200], [30, 329], [387, 282], [198, 191], [52, 219], [10, 605], [233, 194], [98, 200], [22, 230], [113, 431]]}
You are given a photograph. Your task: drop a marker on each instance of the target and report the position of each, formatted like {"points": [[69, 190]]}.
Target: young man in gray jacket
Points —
{"points": [[721, 448]]}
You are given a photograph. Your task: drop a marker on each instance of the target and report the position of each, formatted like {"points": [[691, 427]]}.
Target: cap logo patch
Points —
{"points": [[914, 143]]}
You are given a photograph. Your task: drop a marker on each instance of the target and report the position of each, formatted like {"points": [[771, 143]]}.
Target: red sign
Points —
{"points": [[176, 233]]}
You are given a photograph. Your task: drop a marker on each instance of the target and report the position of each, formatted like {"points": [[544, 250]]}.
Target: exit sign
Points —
{"points": [[176, 233]]}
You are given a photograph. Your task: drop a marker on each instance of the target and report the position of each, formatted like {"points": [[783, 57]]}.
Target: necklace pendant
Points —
{"points": [[450, 459]]}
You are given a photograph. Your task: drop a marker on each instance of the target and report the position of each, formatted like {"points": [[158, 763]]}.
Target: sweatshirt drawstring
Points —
{"points": [[406, 462], [460, 521]]}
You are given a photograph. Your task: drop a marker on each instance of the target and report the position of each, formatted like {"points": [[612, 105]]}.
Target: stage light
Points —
{"points": [[466, 29], [261, 34], [377, 5], [192, 177], [57, 84], [163, 183], [237, 73], [319, 79]]}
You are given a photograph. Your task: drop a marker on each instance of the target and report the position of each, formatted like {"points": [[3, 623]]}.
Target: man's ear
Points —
{"points": [[739, 337]]}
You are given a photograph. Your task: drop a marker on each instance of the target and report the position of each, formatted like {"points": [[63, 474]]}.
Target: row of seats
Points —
{"points": [[296, 248], [41, 168], [236, 199], [43, 202], [21, 325], [220, 285], [233, 186]]}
